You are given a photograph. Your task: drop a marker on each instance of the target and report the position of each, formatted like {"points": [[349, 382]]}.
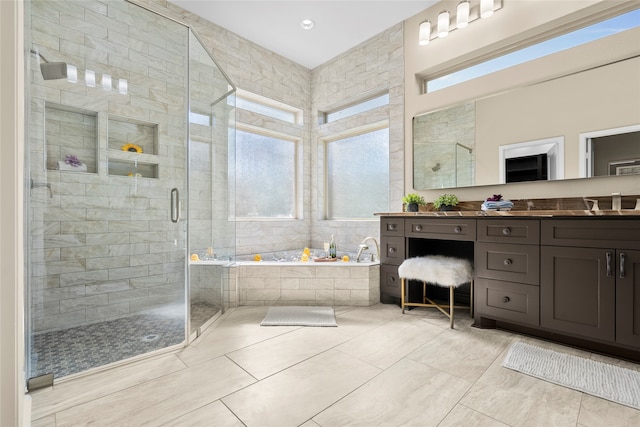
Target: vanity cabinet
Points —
{"points": [[571, 279], [507, 266], [392, 253], [590, 279]]}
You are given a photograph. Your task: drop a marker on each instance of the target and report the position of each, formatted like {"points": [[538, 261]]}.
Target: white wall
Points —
{"points": [[11, 214]]}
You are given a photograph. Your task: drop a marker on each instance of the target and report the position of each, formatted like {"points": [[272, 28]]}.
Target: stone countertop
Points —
{"points": [[626, 213]]}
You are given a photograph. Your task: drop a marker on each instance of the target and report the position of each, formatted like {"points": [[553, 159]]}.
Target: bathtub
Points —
{"points": [[279, 280]]}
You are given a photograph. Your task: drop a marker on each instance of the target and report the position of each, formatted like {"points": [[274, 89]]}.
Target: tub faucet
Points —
{"points": [[362, 246]]}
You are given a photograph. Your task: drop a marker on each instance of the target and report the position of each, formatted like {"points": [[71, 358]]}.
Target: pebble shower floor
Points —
{"points": [[69, 351]]}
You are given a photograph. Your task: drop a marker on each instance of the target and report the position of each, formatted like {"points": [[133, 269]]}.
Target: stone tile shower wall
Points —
{"points": [[367, 70], [436, 136], [258, 70], [102, 244]]}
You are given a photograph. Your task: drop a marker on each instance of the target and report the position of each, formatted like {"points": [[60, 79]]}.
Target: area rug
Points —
{"points": [[299, 316], [599, 379]]}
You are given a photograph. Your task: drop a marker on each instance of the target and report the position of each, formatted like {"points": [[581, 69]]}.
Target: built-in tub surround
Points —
{"points": [[285, 280]]}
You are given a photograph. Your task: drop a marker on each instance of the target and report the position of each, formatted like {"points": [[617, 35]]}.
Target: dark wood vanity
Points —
{"points": [[563, 276]]}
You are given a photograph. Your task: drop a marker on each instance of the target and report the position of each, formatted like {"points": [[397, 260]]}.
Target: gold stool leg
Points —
{"points": [[472, 302], [424, 292], [451, 304], [402, 295]]}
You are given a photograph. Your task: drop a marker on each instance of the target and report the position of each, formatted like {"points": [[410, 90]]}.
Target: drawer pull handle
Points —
{"points": [[392, 279], [392, 227], [506, 231], [458, 229], [506, 299], [418, 227], [508, 262], [622, 256], [392, 250], [608, 264]]}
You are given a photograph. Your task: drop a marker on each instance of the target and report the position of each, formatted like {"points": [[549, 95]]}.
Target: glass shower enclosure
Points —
{"points": [[119, 155]]}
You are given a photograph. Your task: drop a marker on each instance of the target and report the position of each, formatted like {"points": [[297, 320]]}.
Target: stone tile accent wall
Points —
{"points": [[372, 68], [102, 246], [306, 284], [114, 252], [435, 147]]}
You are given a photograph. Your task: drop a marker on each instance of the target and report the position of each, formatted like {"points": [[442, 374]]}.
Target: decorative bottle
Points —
{"points": [[332, 247]]}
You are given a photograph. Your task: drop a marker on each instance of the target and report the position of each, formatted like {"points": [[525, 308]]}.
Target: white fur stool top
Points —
{"points": [[438, 270]]}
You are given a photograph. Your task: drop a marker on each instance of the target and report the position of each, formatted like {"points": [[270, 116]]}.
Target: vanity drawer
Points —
{"points": [[391, 226], [514, 263], [392, 250], [509, 231], [389, 280], [508, 301], [441, 228], [592, 233]]}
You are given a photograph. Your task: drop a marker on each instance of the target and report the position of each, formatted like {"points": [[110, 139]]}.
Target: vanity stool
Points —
{"points": [[440, 271]]}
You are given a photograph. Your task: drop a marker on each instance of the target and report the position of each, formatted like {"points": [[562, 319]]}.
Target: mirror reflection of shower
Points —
{"points": [[464, 165]]}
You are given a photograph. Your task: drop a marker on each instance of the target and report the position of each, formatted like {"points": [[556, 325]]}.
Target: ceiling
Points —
{"points": [[275, 25]]}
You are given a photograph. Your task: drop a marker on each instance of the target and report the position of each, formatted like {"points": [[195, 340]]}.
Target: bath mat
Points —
{"points": [[599, 379], [299, 316]]}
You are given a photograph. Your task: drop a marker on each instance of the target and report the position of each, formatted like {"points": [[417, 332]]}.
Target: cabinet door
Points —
{"points": [[577, 291], [628, 298], [389, 282], [392, 250]]}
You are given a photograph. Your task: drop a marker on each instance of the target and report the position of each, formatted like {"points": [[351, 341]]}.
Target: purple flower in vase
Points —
{"points": [[72, 160]]}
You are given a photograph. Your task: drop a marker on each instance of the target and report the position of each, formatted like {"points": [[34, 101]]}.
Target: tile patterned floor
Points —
{"points": [[377, 368], [69, 351]]}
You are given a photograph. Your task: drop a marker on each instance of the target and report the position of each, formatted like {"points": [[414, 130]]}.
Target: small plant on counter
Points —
{"points": [[445, 201], [413, 202]]}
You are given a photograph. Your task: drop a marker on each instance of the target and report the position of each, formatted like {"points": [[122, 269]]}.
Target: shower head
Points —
{"points": [[52, 70], [436, 168]]}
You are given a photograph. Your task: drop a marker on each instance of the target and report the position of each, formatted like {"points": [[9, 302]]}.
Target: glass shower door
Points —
{"points": [[211, 231], [107, 163]]}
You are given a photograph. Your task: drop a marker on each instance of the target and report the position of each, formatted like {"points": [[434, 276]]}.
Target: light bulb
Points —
{"points": [[443, 24], [425, 33], [486, 8], [462, 14]]}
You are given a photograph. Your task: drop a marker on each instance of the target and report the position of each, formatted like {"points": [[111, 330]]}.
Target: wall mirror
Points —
{"points": [[460, 146]]}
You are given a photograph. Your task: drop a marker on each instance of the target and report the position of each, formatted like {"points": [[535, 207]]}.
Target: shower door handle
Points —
{"points": [[175, 205]]}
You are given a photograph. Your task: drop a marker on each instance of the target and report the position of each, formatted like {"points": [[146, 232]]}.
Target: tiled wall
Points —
{"points": [[102, 246], [124, 258], [372, 68], [434, 147], [304, 284], [375, 66]]}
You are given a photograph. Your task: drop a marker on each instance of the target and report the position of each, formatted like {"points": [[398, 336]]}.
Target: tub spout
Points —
{"points": [[364, 246]]}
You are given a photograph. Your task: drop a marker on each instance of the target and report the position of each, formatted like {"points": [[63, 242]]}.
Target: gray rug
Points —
{"points": [[300, 316], [599, 379]]}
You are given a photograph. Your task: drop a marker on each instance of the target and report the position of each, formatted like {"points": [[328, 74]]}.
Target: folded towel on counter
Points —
{"points": [[66, 167], [502, 205]]}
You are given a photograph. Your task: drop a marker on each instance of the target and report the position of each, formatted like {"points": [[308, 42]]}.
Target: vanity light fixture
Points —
{"points": [[462, 14], [425, 33], [307, 24], [486, 8], [466, 12], [443, 24]]}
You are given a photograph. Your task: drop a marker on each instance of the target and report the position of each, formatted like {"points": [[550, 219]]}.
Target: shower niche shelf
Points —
{"points": [[70, 131], [125, 163], [132, 147]]}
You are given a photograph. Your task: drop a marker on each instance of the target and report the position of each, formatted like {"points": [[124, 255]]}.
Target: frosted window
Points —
{"points": [[358, 175], [265, 176], [276, 113], [359, 108]]}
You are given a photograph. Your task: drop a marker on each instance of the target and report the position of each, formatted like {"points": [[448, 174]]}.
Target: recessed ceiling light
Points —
{"points": [[307, 24]]}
